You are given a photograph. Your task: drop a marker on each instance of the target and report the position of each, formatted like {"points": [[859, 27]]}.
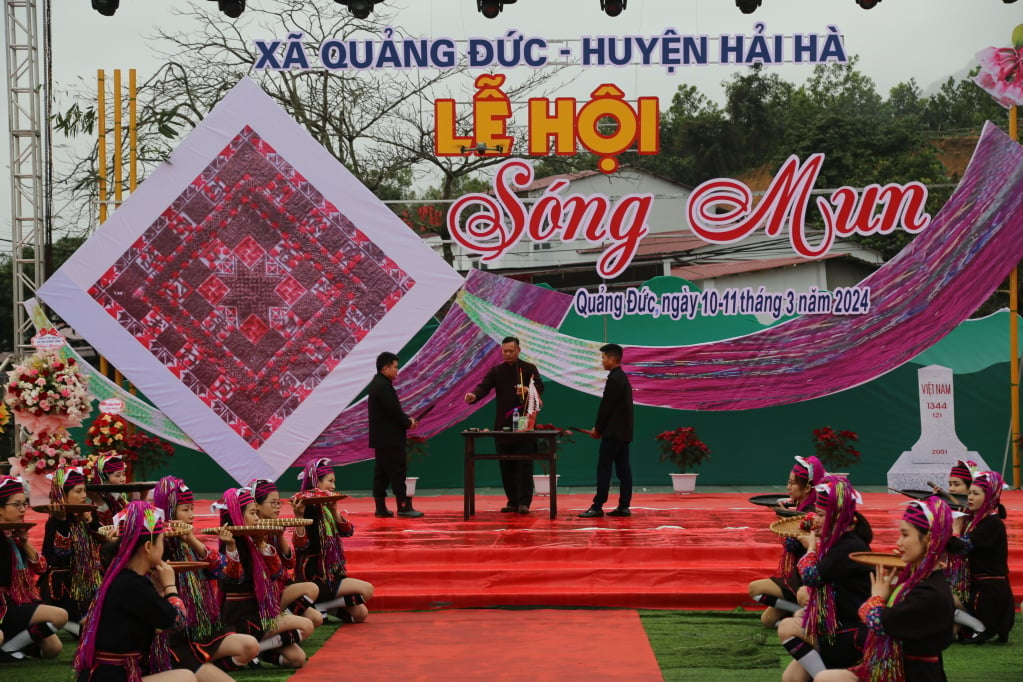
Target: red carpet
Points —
{"points": [[685, 552], [489, 644]]}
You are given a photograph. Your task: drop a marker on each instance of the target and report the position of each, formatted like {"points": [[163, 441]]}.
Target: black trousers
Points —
{"points": [[516, 475], [613, 453], [389, 467]]}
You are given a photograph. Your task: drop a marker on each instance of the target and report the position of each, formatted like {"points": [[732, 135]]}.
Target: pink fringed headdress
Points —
{"points": [[991, 483], [138, 520], [23, 588], [882, 654], [836, 505], [266, 589]]}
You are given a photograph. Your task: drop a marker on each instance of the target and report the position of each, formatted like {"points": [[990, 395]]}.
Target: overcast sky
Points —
{"points": [[928, 40]]}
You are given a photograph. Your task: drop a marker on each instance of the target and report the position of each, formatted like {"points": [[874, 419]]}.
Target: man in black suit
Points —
{"points": [[510, 381], [614, 429], [387, 427]]}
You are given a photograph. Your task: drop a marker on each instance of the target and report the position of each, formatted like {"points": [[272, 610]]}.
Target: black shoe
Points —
{"points": [[410, 513], [384, 514], [6, 656], [979, 637], [620, 511], [523, 509], [509, 509], [592, 513]]}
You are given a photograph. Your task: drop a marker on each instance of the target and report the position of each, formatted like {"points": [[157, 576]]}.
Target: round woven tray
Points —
{"points": [[878, 559], [285, 522], [64, 508], [181, 566], [175, 529], [136, 487], [789, 527], [246, 530], [16, 525], [305, 498]]}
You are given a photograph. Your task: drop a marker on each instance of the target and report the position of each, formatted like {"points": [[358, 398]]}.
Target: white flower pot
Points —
{"points": [[542, 484], [684, 483], [410, 485]]}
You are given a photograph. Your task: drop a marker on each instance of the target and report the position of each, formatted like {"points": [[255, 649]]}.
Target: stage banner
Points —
{"points": [[915, 299], [248, 285]]}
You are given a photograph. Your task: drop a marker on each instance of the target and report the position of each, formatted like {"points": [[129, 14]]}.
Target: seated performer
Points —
{"points": [[110, 468], [129, 608], [252, 598], [297, 598], [829, 633], [779, 592], [73, 571], [321, 556], [25, 622], [909, 618], [204, 638], [986, 546]]}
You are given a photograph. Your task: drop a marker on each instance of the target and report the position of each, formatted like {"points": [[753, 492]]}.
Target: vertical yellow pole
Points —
{"points": [[118, 141], [101, 115], [1014, 336], [101, 162], [133, 145]]}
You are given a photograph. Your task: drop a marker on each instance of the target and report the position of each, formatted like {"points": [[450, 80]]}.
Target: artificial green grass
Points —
{"points": [[715, 645], [689, 645], [59, 669]]}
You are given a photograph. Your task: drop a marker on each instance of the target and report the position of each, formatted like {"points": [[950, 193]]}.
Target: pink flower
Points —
{"points": [[1001, 74]]}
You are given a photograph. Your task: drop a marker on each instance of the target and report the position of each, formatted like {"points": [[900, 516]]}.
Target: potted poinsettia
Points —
{"points": [[835, 448], [685, 450]]}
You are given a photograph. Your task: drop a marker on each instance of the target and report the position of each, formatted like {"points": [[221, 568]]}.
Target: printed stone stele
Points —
{"points": [[938, 447]]}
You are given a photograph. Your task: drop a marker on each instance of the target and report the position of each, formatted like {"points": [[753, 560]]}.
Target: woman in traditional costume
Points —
{"points": [[321, 556], [25, 622], [71, 548], [909, 617], [296, 597], [204, 639], [138, 596], [829, 634], [252, 596], [779, 592]]}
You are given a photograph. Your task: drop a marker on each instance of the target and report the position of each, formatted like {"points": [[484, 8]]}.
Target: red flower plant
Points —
{"points": [[834, 448]]}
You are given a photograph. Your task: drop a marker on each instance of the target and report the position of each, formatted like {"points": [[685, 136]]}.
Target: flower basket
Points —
{"points": [[835, 448], [45, 452], [106, 434], [683, 448], [416, 448], [47, 393]]}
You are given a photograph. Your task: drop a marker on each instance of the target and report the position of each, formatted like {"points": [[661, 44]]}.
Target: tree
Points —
{"points": [[379, 124]]}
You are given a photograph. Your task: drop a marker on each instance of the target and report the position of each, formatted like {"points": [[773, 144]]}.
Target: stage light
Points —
{"points": [[360, 9], [106, 7], [613, 8], [867, 4], [491, 8], [748, 6], [232, 8]]}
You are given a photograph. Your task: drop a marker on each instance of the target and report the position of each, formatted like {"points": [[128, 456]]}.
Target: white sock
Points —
{"points": [[328, 605], [777, 602], [17, 642], [963, 618], [270, 643], [73, 627]]}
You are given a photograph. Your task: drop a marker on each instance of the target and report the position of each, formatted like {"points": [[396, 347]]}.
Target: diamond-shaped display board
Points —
{"points": [[248, 285]]}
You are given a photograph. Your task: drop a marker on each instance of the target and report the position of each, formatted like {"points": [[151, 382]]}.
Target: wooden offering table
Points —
{"points": [[548, 453]]}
